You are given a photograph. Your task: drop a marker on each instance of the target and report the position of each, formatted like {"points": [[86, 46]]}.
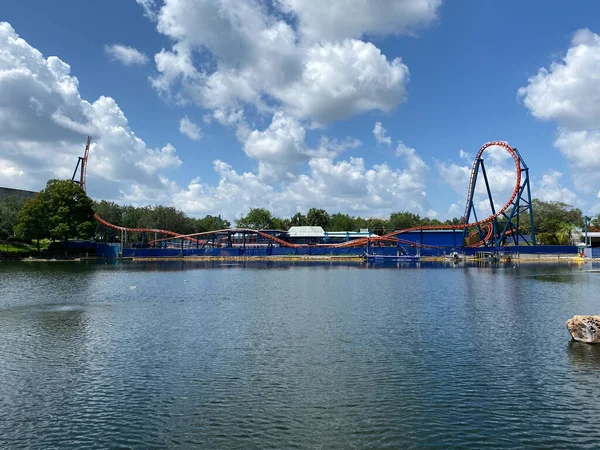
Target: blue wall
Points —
{"points": [[451, 238], [592, 252], [107, 250], [320, 251]]}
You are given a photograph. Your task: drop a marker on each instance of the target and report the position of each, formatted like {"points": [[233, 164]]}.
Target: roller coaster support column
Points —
{"points": [[529, 200], [471, 205], [489, 192], [520, 205]]}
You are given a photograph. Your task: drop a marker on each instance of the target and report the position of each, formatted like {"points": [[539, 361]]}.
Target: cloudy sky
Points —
{"points": [[359, 106]]}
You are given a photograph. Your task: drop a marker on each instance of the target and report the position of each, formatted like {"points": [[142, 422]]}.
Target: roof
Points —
{"points": [[352, 234], [306, 232], [592, 234]]}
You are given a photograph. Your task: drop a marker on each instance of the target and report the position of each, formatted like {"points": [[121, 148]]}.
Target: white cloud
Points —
{"points": [[149, 8], [189, 129], [379, 133], [125, 55], [550, 189], [465, 156], [569, 93], [44, 123], [347, 186], [343, 79], [339, 19], [257, 59], [501, 174], [8, 170], [279, 149], [157, 160], [582, 149]]}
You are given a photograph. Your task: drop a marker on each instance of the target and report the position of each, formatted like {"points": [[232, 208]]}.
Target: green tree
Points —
{"points": [[209, 223], [377, 226], [169, 218], [404, 219], [109, 211], [298, 220], [280, 224], [69, 210], [317, 218], [256, 219], [33, 223], [9, 215], [59, 211], [549, 216], [342, 222]]}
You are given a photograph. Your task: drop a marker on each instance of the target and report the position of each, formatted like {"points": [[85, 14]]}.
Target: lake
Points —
{"points": [[284, 355]]}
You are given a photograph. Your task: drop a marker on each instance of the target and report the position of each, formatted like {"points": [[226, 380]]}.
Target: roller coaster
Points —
{"points": [[499, 228]]}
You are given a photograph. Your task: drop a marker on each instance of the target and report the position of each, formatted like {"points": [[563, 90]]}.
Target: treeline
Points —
{"points": [[261, 218], [555, 222], [159, 217], [62, 211]]}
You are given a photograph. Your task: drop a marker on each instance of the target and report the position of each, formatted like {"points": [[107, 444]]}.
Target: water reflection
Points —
{"points": [[584, 355], [283, 354]]}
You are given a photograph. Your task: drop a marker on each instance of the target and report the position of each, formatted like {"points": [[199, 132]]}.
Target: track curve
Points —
{"points": [[484, 222], [144, 230]]}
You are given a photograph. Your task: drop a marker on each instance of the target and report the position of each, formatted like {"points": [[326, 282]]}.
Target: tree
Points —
{"points": [[33, 221], [377, 226], [209, 223], [317, 218], [59, 211], [298, 220], [280, 224], [341, 222], [109, 211], [549, 216], [9, 215], [404, 219], [69, 210], [169, 218], [256, 219]]}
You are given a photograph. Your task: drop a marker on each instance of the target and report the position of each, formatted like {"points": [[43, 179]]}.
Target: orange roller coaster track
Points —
{"points": [[487, 229], [494, 230]]}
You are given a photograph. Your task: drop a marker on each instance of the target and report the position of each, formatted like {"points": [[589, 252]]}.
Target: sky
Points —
{"points": [[364, 107]]}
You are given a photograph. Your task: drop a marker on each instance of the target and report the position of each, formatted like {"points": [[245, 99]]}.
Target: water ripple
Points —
{"points": [[307, 357]]}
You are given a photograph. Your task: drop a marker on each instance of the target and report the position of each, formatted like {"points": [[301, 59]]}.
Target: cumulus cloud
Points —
{"points": [[259, 60], [380, 134], [189, 129], [339, 19], [568, 92], [346, 185], [501, 173], [126, 55], [44, 123], [279, 149], [550, 189], [149, 7]]}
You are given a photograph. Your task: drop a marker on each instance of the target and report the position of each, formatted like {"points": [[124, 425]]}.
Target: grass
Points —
{"points": [[17, 248]]}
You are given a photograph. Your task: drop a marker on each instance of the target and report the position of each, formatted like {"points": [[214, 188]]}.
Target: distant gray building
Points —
{"points": [[9, 192]]}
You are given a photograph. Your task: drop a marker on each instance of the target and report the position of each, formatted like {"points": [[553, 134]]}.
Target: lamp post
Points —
{"points": [[585, 223]]}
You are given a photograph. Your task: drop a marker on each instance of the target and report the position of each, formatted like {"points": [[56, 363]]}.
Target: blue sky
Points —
{"points": [[286, 95]]}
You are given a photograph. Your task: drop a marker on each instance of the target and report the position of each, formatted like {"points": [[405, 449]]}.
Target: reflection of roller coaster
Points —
{"points": [[497, 229]]}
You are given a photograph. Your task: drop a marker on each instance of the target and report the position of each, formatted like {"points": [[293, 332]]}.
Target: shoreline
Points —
{"points": [[541, 258]]}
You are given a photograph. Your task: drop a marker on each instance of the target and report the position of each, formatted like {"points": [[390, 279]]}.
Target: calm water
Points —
{"points": [[292, 356]]}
